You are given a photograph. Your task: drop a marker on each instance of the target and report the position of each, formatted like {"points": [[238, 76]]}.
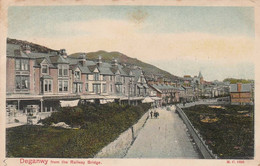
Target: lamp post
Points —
{"points": [[130, 88]]}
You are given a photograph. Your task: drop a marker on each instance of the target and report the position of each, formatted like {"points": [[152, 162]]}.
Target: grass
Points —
{"points": [[98, 126], [228, 130]]}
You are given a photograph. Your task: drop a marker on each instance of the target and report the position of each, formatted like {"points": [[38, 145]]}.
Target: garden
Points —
{"points": [[92, 128], [228, 130]]}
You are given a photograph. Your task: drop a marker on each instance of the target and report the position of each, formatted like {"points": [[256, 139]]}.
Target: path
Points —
{"points": [[165, 137]]}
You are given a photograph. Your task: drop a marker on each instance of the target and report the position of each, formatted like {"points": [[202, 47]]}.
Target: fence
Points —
{"points": [[119, 147], [204, 149]]}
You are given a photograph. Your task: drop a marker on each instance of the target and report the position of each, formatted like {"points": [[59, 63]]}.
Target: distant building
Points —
{"points": [[168, 93], [240, 93]]}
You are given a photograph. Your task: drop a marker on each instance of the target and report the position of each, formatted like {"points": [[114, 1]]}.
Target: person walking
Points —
{"points": [[151, 113]]}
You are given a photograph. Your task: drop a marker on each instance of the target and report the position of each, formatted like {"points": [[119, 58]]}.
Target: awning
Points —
{"points": [[69, 103], [88, 97], [156, 98], [119, 83], [148, 100], [145, 86], [103, 101], [111, 97], [140, 86]]}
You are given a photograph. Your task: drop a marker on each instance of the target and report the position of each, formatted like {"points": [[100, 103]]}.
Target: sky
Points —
{"points": [[218, 41]]}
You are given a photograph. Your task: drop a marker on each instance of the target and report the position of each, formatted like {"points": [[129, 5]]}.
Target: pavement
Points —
{"points": [[165, 137]]}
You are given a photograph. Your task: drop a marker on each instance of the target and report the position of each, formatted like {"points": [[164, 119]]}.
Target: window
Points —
{"points": [[124, 79], [118, 78], [77, 75], [110, 78], [63, 70], [111, 88], [87, 77], [124, 90], [60, 86], [104, 78], [18, 64], [63, 86], [21, 64], [22, 82], [44, 69], [96, 76], [96, 88], [47, 85], [80, 87], [50, 85], [60, 72], [118, 88], [86, 87], [104, 88]]}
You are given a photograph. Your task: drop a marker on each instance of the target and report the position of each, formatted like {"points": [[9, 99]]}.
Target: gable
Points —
{"points": [[96, 70], [77, 69], [45, 62], [118, 72]]}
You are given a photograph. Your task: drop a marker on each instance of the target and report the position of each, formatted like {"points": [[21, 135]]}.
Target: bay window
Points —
{"points": [[104, 88], [77, 75], [22, 82], [86, 87], [21, 64], [47, 85], [96, 76], [63, 86]]}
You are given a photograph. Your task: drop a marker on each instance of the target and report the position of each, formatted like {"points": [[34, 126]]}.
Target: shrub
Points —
{"points": [[100, 125]]}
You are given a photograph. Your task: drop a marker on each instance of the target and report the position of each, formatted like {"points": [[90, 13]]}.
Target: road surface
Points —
{"points": [[165, 137]]}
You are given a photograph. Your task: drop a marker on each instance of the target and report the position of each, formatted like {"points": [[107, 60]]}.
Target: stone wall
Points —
{"points": [[119, 147]]}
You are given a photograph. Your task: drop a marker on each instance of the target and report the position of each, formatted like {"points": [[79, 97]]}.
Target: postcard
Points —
{"points": [[129, 83]]}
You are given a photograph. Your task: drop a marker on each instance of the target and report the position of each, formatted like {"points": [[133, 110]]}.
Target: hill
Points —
{"points": [[106, 56], [123, 59], [235, 80], [34, 47]]}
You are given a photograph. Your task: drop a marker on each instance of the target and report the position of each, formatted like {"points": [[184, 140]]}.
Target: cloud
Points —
{"points": [[130, 38]]}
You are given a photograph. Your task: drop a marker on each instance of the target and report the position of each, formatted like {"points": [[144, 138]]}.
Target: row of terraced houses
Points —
{"points": [[46, 79], [51, 79]]}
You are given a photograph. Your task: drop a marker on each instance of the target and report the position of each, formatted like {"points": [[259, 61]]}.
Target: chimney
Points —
{"points": [[63, 53], [114, 62], [82, 59], [99, 62], [27, 49], [239, 87]]}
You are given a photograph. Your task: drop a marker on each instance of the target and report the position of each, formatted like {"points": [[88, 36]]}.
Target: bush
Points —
{"points": [[232, 135], [99, 125]]}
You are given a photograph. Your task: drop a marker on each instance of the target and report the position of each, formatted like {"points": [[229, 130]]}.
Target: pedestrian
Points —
{"points": [[155, 114], [151, 113]]}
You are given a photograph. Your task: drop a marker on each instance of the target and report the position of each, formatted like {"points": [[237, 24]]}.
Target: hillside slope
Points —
{"points": [[106, 56], [123, 59]]}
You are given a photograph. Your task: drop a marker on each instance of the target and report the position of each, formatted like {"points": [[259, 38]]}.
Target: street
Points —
{"points": [[165, 137]]}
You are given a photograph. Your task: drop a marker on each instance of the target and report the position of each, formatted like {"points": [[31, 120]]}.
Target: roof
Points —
{"points": [[137, 74], [244, 88], [164, 87], [46, 77], [13, 50], [105, 70], [58, 59], [84, 69]]}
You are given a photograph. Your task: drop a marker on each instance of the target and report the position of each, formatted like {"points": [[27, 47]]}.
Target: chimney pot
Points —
{"points": [[239, 86]]}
